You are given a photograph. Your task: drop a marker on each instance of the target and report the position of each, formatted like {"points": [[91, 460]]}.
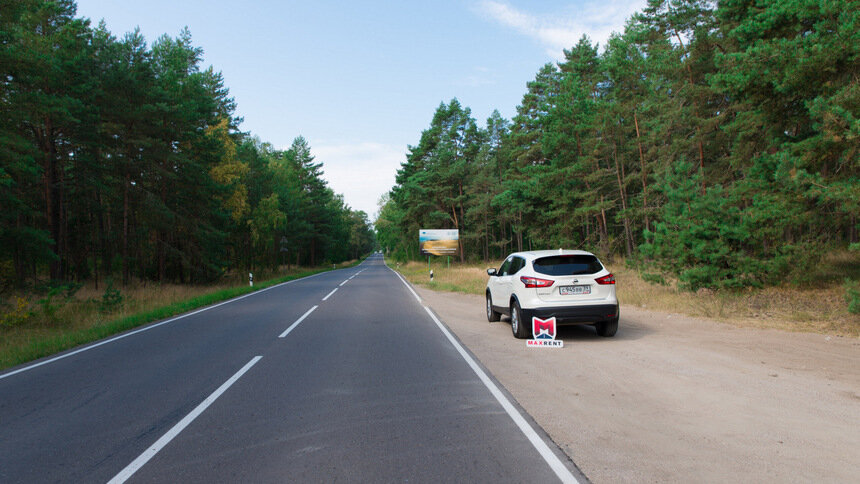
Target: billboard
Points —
{"points": [[439, 242]]}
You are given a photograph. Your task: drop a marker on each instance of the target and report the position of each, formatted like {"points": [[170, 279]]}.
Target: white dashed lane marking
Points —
{"points": [[293, 326], [179, 427]]}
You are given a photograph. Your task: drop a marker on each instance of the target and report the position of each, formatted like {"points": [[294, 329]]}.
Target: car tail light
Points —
{"points": [[535, 282], [607, 279]]}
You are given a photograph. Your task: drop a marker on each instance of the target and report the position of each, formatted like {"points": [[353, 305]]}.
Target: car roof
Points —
{"points": [[537, 254]]}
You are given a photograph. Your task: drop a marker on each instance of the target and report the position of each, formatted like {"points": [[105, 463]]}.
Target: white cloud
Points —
{"points": [[562, 30], [361, 172]]}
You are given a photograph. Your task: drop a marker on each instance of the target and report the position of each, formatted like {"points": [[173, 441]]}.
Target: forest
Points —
{"points": [[123, 160], [717, 143]]}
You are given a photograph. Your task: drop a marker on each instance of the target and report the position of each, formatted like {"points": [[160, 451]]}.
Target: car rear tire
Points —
{"points": [[607, 328], [492, 315], [520, 329]]}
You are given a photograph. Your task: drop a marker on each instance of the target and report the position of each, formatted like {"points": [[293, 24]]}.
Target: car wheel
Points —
{"points": [[518, 326], [492, 315], [607, 328]]}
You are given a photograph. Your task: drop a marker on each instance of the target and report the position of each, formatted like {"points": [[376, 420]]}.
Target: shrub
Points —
{"points": [[654, 278], [852, 296], [111, 299], [739, 236], [19, 315]]}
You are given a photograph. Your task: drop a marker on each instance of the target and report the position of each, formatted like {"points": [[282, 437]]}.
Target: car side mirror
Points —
{"points": [[491, 272]]}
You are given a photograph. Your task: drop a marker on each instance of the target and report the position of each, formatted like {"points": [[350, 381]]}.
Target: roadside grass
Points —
{"points": [[464, 278], [805, 307], [42, 328]]}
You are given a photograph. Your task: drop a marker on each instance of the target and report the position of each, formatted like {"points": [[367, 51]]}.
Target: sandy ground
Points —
{"points": [[677, 399]]}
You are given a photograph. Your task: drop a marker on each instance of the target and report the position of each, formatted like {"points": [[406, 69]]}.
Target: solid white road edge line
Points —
{"points": [[554, 463], [179, 427], [329, 294], [292, 326], [147, 328], [406, 284]]}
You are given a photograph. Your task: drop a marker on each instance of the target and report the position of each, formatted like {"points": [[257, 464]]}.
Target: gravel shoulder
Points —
{"points": [[678, 399]]}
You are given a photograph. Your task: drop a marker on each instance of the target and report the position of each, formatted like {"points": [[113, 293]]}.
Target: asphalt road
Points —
{"points": [[342, 376]]}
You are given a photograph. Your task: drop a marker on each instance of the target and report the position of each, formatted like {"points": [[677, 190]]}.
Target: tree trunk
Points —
{"points": [[604, 230], [643, 172], [96, 270], [486, 239], [462, 219], [695, 112], [20, 260], [852, 229], [62, 226], [627, 233], [519, 230], [457, 226], [276, 253], [52, 199], [161, 241], [107, 263], [125, 215]]}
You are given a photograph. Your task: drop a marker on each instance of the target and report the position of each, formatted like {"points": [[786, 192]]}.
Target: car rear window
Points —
{"points": [[567, 265]]}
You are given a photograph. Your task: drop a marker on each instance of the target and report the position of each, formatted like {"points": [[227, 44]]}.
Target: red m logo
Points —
{"points": [[543, 328]]}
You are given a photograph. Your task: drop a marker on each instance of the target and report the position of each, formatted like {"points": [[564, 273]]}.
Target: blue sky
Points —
{"points": [[361, 80]]}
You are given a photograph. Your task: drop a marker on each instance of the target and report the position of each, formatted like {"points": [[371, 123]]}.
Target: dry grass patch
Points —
{"points": [[465, 278], [819, 310]]}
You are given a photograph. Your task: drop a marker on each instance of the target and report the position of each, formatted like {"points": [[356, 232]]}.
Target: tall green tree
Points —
{"points": [[521, 198], [47, 50], [487, 233], [433, 182]]}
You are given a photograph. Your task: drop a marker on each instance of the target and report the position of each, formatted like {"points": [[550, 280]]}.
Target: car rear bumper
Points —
{"points": [[574, 314]]}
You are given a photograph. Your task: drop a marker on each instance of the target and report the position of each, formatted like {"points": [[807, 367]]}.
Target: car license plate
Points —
{"points": [[574, 290]]}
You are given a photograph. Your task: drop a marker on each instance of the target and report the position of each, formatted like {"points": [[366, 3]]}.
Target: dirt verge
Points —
{"points": [[678, 399]]}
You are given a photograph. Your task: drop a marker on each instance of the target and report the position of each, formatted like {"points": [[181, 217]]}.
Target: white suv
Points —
{"points": [[570, 285]]}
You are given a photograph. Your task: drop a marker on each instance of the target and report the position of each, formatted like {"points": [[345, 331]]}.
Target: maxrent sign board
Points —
{"points": [[544, 331], [439, 242]]}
